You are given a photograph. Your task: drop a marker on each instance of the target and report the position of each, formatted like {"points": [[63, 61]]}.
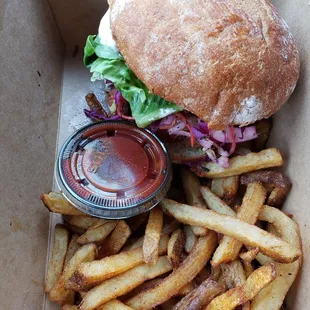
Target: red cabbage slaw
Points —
{"points": [[218, 145]]}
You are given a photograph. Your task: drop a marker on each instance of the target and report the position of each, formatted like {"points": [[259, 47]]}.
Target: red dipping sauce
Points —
{"points": [[113, 169]]}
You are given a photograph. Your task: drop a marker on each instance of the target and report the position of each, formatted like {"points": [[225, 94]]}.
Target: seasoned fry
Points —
{"points": [[72, 248], [175, 248], [81, 221], [241, 294], [61, 240], [86, 253], [116, 241], [273, 295], [249, 255], [57, 203], [215, 203], [152, 236], [97, 233], [248, 268], [114, 305], [123, 283], [191, 187], [190, 239], [233, 274], [200, 296], [186, 272], [170, 227], [241, 164], [249, 235], [69, 307], [92, 273], [278, 181], [225, 188], [252, 203]]}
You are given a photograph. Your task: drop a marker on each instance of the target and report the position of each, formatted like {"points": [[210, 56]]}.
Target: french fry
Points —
{"points": [[86, 253], [190, 239], [249, 255], [280, 184], [186, 272], [252, 203], [187, 288], [215, 203], [170, 227], [203, 275], [248, 234], [175, 247], [239, 295], [57, 203], [123, 283], [152, 235], [248, 268], [117, 240], [114, 305], [169, 304], [72, 248], [97, 233], [273, 295], [55, 267], [233, 274], [225, 188], [241, 164], [81, 221], [97, 271], [200, 296], [219, 206], [191, 187], [69, 307]]}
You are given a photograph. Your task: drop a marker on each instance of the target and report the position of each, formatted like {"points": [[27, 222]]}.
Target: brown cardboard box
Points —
{"points": [[41, 70]]}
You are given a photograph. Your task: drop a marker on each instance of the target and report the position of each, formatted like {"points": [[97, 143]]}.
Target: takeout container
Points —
{"points": [[41, 70]]}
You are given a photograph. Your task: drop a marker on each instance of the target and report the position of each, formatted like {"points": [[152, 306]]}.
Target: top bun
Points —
{"points": [[230, 62]]}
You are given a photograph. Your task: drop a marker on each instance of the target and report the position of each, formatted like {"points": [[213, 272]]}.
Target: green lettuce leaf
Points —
{"points": [[106, 63]]}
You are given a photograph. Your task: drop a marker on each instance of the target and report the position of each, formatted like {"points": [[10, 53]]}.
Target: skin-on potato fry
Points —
{"points": [[169, 304], [97, 271], [249, 255], [56, 263], [114, 305], [248, 234], [239, 295], [187, 288], [190, 239], [200, 296], [123, 283], [97, 233], [252, 203], [116, 241], [72, 248], [241, 164], [186, 272], [57, 203], [175, 247], [81, 221], [278, 181], [233, 274], [225, 188], [170, 227], [191, 187], [273, 295], [152, 235], [248, 268], [86, 253], [219, 206]]}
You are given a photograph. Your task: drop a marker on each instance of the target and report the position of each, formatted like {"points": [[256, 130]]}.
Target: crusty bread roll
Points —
{"points": [[226, 61]]}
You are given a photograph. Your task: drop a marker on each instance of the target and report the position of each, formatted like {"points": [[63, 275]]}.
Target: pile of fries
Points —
{"points": [[217, 246]]}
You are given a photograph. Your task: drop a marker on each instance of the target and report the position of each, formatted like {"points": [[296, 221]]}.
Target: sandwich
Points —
{"points": [[202, 75]]}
